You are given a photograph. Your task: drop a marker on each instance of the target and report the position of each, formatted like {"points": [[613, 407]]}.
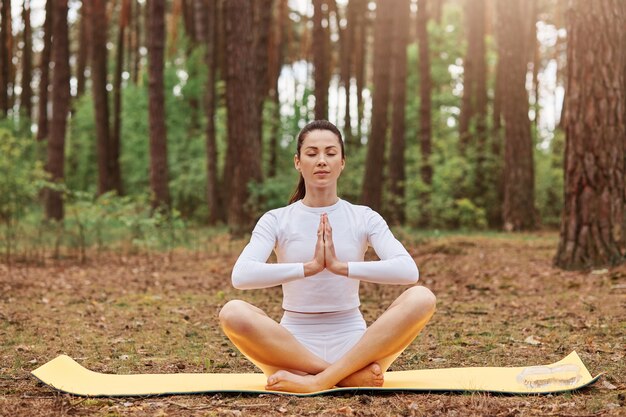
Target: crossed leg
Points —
{"points": [[292, 367]]}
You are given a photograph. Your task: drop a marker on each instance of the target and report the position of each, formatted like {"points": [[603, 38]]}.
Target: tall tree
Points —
{"points": [[519, 185], [592, 223], [97, 17], [345, 34], [375, 160], [474, 102], [425, 122], [244, 145], [361, 24], [60, 108], [159, 175], [402, 17], [6, 55], [277, 48], [210, 36], [26, 106], [44, 77], [114, 166], [83, 48], [136, 41], [320, 61], [262, 24]]}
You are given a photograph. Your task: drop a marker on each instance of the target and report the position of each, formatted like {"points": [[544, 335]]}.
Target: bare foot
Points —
{"points": [[286, 381], [370, 376]]}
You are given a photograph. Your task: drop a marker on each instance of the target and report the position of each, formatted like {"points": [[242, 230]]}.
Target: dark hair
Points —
{"points": [[300, 190]]}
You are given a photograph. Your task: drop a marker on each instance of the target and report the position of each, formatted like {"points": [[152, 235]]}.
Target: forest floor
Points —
{"points": [[500, 303]]}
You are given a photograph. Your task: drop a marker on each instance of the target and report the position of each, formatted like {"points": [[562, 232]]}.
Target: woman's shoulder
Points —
{"points": [[360, 209]]}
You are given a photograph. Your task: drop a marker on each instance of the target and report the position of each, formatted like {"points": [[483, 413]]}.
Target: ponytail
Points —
{"points": [[299, 192]]}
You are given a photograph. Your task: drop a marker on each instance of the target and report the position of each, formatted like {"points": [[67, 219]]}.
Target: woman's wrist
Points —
{"points": [[312, 268], [339, 268]]}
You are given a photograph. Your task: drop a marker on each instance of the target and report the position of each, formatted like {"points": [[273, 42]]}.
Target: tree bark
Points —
{"points": [[474, 102], [136, 42], [210, 35], [278, 45], [425, 122], [320, 61], [519, 189], [83, 48], [402, 12], [244, 145], [60, 109], [44, 77], [375, 160], [592, 224], [360, 51], [26, 106], [262, 23], [114, 166], [6, 55], [159, 176], [99, 26]]}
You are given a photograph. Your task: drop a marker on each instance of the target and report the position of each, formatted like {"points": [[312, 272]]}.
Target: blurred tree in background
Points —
{"points": [[451, 110]]}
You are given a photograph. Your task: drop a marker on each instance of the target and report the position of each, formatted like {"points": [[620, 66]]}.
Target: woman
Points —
{"points": [[320, 241]]}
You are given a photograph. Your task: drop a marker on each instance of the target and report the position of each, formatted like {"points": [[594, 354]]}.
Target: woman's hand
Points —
{"points": [[318, 263], [331, 262]]}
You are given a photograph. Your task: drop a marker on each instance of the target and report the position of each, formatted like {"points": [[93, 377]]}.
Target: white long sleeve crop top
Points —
{"points": [[291, 232]]}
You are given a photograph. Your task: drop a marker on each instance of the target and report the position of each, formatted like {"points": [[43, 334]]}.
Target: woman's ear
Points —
{"points": [[296, 162]]}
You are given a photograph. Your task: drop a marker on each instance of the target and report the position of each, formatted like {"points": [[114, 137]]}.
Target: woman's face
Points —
{"points": [[320, 160]]}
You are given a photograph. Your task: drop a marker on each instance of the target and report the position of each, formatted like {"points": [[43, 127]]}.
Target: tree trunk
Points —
{"points": [[437, 10], [136, 41], [320, 62], [189, 20], [347, 43], [210, 35], [479, 53], [360, 51], [26, 106], [375, 160], [60, 108], [276, 59], [114, 166], [425, 123], [345, 47], [99, 26], [83, 48], [399, 44], [42, 113], [262, 23], [519, 189], [6, 57], [171, 30], [469, 75], [592, 221], [474, 102], [156, 105], [244, 145]]}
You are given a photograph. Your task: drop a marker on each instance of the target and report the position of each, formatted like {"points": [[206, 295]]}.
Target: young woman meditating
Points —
{"points": [[320, 241]]}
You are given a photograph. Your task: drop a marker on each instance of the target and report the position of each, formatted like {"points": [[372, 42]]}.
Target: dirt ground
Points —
{"points": [[500, 303]]}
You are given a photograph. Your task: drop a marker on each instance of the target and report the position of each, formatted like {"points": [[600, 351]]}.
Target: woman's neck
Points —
{"points": [[320, 198]]}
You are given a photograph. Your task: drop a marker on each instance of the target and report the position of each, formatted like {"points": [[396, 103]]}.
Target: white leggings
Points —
{"points": [[327, 335]]}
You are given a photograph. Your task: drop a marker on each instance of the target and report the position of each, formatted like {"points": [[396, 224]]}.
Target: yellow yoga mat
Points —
{"points": [[65, 374]]}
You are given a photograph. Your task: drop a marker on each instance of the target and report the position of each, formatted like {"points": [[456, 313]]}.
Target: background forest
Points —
{"points": [[142, 120]]}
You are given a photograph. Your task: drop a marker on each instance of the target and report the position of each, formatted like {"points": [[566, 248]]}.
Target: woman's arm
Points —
{"points": [[252, 270], [395, 265]]}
